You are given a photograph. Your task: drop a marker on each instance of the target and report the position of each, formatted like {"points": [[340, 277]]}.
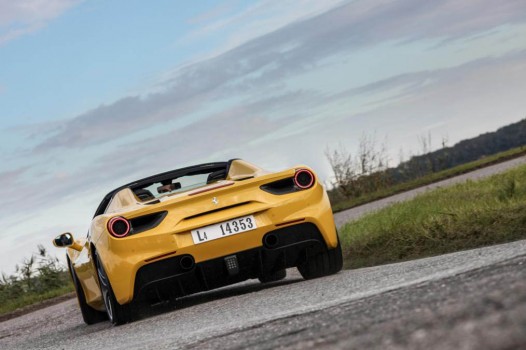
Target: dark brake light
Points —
{"points": [[304, 178], [119, 227]]}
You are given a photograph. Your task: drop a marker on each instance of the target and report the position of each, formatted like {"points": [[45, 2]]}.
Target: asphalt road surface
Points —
{"points": [[467, 300]]}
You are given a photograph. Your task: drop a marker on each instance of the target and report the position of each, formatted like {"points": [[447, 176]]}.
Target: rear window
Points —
{"points": [[177, 185]]}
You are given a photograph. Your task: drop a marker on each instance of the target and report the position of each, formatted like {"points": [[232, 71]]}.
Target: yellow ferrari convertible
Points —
{"points": [[199, 228]]}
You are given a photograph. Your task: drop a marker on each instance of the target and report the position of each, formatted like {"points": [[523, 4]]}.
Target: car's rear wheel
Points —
{"points": [[273, 277], [118, 314], [89, 314], [322, 264]]}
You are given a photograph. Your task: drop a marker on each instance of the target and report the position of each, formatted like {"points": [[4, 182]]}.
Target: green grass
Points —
{"points": [[463, 216], [33, 298], [428, 179]]}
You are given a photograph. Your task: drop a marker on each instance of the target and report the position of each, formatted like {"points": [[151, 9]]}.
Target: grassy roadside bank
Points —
{"points": [[463, 216], [36, 281], [24, 299], [28, 305], [430, 178]]}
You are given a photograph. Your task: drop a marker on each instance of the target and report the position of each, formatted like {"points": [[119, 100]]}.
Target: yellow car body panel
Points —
{"points": [[238, 195], [85, 270]]}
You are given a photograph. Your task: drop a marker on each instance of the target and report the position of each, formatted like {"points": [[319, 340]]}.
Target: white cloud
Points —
{"points": [[214, 13], [259, 19], [487, 91], [20, 17], [268, 61]]}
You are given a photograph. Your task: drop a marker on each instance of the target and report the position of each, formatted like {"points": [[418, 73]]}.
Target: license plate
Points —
{"points": [[224, 229]]}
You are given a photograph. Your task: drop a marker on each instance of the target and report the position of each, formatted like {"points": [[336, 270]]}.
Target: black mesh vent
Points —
{"points": [[280, 187], [147, 222]]}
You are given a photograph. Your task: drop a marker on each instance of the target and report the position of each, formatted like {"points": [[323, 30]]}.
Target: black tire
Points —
{"points": [[273, 277], [89, 314], [335, 259], [322, 264], [117, 314]]}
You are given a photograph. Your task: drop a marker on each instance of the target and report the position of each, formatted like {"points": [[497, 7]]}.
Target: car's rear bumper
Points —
{"points": [[123, 258], [282, 248]]}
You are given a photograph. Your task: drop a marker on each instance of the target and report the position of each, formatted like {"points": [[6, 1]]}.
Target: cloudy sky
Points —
{"points": [[97, 93]]}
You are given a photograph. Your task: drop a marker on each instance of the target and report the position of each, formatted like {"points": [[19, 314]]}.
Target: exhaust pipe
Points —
{"points": [[270, 241], [187, 262]]}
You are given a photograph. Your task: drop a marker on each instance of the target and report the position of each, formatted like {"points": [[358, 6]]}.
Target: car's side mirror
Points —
{"points": [[66, 240]]}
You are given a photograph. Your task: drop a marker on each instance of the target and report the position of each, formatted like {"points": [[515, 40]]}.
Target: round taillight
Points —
{"points": [[118, 227], [304, 178]]}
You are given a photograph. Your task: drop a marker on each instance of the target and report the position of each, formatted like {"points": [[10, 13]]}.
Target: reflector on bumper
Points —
{"points": [[232, 265]]}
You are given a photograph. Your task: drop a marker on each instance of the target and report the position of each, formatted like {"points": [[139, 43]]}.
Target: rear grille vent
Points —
{"points": [[147, 222], [283, 186]]}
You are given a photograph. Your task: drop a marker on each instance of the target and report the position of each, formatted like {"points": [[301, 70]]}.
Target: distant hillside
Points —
{"points": [[505, 138]]}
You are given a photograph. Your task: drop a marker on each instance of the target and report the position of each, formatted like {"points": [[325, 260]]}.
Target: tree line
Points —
{"points": [[367, 170]]}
